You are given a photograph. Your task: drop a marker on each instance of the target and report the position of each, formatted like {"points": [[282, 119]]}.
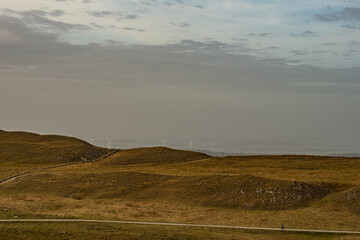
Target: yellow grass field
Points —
{"points": [[166, 185]]}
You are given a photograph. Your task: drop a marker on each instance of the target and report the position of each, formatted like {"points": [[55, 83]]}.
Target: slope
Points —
{"points": [[20, 151]]}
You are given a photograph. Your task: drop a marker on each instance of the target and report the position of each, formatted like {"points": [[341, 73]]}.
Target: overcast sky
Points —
{"points": [[235, 75]]}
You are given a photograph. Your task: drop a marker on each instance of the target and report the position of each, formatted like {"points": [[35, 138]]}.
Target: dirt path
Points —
{"points": [[13, 177], [181, 225]]}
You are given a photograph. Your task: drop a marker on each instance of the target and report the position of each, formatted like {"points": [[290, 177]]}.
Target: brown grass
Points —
{"points": [[154, 155], [93, 231], [161, 184], [293, 168], [20, 151], [213, 191]]}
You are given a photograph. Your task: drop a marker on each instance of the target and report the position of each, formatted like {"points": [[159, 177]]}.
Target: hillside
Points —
{"points": [[152, 155], [20, 151], [166, 185], [232, 192]]}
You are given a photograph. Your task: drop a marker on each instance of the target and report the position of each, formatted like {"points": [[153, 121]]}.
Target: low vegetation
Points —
{"points": [[91, 231], [21, 151], [155, 155], [166, 185]]}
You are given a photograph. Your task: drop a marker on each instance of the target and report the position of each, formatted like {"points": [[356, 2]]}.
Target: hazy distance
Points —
{"points": [[242, 90]]}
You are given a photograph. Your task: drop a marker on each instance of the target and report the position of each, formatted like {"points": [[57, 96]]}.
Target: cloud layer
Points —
{"points": [[238, 70], [273, 29]]}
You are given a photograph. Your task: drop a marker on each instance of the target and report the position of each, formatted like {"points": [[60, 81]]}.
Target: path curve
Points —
{"points": [[13, 177], [181, 224]]}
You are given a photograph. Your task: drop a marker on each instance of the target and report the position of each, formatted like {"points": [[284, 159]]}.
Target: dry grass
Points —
{"points": [[293, 168], [213, 191], [92, 231], [322, 216], [20, 151], [135, 196], [153, 156], [160, 184]]}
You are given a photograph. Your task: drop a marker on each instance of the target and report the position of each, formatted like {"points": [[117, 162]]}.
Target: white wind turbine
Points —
{"points": [[109, 144], [91, 140], [190, 143], [163, 142]]}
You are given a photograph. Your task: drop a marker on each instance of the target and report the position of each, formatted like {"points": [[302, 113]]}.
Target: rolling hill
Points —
{"points": [[167, 185], [20, 151]]}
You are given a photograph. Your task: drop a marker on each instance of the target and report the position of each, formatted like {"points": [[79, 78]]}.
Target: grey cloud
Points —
{"points": [[305, 34], [240, 39], [113, 43], [105, 14], [350, 26], [318, 51], [54, 25], [354, 46], [149, 2], [189, 64], [36, 13], [173, 3], [56, 86], [270, 48], [57, 13], [128, 28], [183, 25], [273, 61], [329, 44], [200, 6], [260, 34], [169, 3], [112, 14], [97, 25], [294, 61], [349, 15], [209, 46], [131, 16], [83, 1], [37, 18], [23, 46], [134, 29], [305, 52]]}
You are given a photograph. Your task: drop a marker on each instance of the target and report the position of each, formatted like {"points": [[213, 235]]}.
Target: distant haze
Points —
{"points": [[135, 84]]}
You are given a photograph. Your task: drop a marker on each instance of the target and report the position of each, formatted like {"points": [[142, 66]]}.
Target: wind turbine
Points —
{"points": [[190, 143], [109, 144], [163, 142], [91, 140]]}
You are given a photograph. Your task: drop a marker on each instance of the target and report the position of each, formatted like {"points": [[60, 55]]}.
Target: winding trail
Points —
{"points": [[13, 177], [180, 224], [151, 223]]}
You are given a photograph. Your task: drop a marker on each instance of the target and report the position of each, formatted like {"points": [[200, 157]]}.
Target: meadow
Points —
{"points": [[166, 185]]}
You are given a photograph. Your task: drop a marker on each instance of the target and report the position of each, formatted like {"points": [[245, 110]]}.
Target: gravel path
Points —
{"points": [[181, 225]]}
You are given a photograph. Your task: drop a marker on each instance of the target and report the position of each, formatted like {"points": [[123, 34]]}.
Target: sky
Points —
{"points": [[244, 76]]}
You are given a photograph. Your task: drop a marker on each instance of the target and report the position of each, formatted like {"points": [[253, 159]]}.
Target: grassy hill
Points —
{"points": [[166, 185], [20, 151], [232, 192], [152, 155]]}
